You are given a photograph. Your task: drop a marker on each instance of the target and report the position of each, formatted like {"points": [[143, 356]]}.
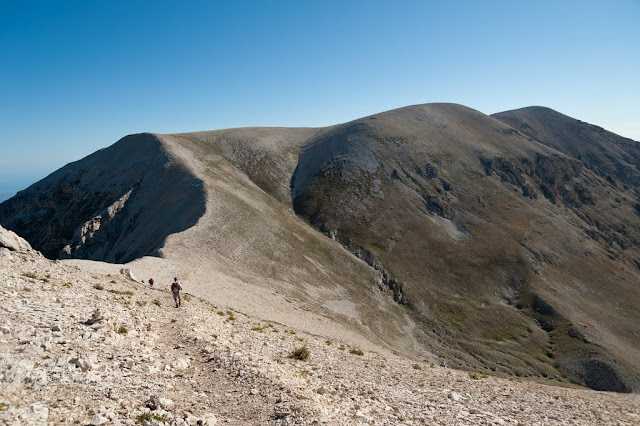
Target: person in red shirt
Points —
{"points": [[176, 288]]}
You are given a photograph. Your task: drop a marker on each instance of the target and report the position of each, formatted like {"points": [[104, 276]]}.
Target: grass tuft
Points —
{"points": [[476, 376], [302, 353], [122, 330], [356, 352]]}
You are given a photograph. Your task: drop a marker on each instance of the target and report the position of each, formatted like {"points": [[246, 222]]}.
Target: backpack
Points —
{"points": [[175, 287]]}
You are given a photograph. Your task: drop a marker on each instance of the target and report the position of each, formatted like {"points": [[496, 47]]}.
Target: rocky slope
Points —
{"points": [[436, 231], [81, 343]]}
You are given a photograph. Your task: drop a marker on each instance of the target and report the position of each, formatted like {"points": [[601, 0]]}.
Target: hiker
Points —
{"points": [[176, 288], [151, 282]]}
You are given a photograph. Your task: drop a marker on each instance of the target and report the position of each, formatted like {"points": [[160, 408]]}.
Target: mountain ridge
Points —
{"points": [[440, 220]]}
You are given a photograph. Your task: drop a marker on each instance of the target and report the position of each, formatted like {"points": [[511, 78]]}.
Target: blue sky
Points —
{"points": [[76, 76]]}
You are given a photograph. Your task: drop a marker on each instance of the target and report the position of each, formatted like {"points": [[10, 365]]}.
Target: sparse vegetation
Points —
{"points": [[221, 313], [67, 285], [27, 289], [140, 302], [355, 351], [417, 367], [329, 342], [112, 281], [156, 302], [149, 418], [122, 330], [186, 298], [477, 376], [98, 287], [29, 275], [302, 353], [342, 347]]}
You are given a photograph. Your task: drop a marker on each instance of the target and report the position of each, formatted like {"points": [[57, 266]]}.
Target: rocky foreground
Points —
{"points": [[80, 347]]}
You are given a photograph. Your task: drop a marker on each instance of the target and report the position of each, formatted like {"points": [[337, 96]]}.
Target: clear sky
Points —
{"points": [[75, 76]]}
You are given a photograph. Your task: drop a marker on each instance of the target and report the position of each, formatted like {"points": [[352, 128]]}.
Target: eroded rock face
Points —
{"points": [[116, 205]]}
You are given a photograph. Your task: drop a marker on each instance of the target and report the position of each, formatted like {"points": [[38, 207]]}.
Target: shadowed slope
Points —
{"points": [[115, 205]]}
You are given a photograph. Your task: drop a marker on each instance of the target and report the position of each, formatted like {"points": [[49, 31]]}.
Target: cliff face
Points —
{"points": [[115, 205], [509, 244]]}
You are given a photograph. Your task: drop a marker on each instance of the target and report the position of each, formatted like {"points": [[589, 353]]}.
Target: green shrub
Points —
{"points": [[122, 330], [302, 353], [156, 302], [416, 367], [67, 285], [221, 313], [29, 275], [146, 418], [329, 342], [356, 352]]}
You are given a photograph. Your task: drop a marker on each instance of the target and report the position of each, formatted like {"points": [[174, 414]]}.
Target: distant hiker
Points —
{"points": [[176, 288], [151, 282]]}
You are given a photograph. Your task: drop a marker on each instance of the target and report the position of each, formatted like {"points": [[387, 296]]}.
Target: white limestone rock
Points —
{"points": [[13, 242]]}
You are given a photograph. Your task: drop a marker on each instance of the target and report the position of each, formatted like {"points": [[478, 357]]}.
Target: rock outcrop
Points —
{"points": [[10, 240]]}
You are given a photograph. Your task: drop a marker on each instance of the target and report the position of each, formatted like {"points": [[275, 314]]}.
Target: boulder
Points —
{"points": [[12, 241]]}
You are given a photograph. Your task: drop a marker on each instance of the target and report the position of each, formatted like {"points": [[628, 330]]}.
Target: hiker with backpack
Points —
{"points": [[176, 288]]}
